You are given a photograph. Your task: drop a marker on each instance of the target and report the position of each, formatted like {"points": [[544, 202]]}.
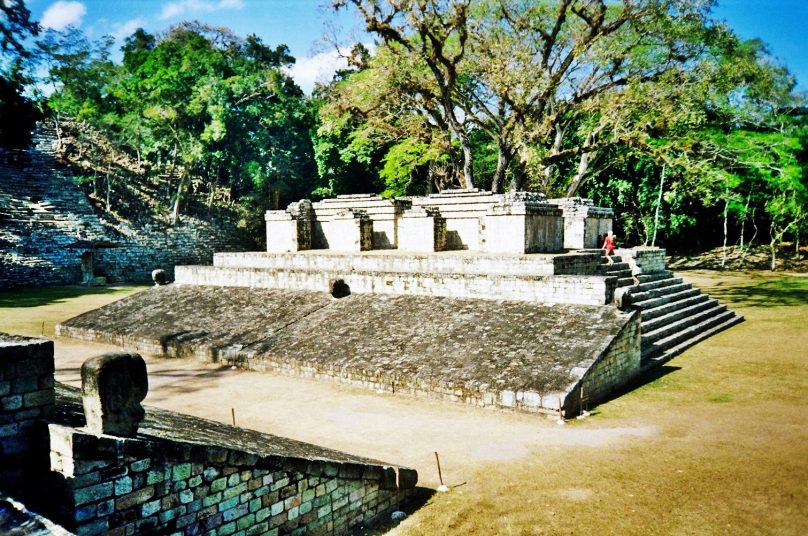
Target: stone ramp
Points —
{"points": [[501, 354]]}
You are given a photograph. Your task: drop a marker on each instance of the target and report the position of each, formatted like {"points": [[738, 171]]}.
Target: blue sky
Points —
{"points": [[301, 25]]}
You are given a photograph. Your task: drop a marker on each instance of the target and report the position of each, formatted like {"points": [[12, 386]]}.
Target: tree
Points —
{"points": [[15, 26], [200, 108], [431, 36], [18, 115]]}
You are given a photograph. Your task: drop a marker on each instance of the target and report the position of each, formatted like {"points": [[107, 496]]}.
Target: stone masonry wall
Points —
{"points": [[650, 259], [26, 395], [618, 365], [114, 485], [585, 290]]}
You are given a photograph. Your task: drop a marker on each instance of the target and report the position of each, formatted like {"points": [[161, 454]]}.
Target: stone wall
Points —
{"points": [[180, 475], [651, 260], [26, 396], [47, 224], [583, 263], [382, 213], [615, 367], [125, 486], [346, 231], [585, 225], [584, 290]]}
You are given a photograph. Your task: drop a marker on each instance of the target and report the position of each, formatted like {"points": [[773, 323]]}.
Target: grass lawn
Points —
{"points": [[36, 311], [726, 450]]}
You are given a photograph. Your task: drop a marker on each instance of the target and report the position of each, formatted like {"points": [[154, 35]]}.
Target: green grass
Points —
{"points": [[36, 311]]}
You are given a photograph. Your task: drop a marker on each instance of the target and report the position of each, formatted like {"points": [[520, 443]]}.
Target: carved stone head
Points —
{"points": [[112, 387]]}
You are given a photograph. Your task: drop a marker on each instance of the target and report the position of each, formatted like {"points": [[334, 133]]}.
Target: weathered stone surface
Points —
{"points": [[458, 348], [159, 277], [113, 385], [16, 520]]}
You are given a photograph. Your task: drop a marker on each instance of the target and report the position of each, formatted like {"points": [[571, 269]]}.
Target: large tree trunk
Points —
{"points": [[175, 213], [468, 170], [658, 204], [726, 225], [504, 156], [583, 164], [518, 182], [547, 172]]}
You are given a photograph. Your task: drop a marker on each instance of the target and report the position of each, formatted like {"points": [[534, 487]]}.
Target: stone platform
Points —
{"points": [[492, 353], [544, 278]]}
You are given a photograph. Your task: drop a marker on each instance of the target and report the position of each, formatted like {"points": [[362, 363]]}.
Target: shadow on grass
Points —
{"points": [[649, 376], [788, 291], [38, 296]]}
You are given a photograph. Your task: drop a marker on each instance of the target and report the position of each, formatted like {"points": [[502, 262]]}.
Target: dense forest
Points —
{"points": [[696, 137]]}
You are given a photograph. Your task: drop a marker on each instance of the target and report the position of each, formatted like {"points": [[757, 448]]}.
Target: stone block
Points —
{"points": [[113, 386], [407, 478]]}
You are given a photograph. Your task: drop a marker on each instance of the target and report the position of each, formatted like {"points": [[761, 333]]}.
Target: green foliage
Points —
{"points": [[201, 105], [15, 26], [405, 166], [18, 113]]}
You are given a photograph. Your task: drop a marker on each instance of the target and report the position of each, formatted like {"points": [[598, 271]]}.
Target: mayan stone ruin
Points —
{"points": [[165, 474], [501, 301]]}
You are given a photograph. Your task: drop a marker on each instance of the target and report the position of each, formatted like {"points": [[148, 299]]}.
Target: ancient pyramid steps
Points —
{"points": [[674, 315]]}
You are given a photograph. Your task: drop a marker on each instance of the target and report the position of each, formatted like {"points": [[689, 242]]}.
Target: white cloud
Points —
{"points": [[62, 14], [122, 30], [318, 68], [181, 7]]}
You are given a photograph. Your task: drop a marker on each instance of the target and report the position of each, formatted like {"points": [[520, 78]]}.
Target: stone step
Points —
{"points": [[674, 311], [654, 312], [609, 269], [624, 282], [654, 303], [680, 324], [684, 338], [654, 359], [640, 297], [648, 278], [659, 283]]}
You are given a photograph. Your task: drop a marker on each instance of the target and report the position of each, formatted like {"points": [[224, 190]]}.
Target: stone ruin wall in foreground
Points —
{"points": [[104, 484]]}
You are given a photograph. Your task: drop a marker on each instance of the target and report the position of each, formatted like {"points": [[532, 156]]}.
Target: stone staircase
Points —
{"points": [[47, 222], [674, 314]]}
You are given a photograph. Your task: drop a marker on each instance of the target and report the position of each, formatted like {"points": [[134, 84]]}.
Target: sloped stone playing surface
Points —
{"points": [[163, 424], [460, 349]]}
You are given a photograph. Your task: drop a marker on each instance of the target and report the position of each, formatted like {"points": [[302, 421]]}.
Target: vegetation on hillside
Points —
{"points": [[696, 137]]}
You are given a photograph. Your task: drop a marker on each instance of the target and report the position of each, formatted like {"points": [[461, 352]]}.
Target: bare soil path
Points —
{"points": [[394, 428]]}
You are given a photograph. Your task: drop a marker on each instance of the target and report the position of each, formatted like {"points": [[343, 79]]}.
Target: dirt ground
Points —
{"points": [[397, 429], [712, 443]]}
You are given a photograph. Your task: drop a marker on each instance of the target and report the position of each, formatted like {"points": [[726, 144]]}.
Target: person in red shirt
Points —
{"points": [[608, 245]]}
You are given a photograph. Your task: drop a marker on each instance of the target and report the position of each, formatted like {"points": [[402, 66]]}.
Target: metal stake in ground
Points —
{"points": [[442, 488]]}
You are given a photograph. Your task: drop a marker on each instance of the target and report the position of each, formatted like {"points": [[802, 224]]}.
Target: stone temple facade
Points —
{"points": [[496, 300], [473, 220]]}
